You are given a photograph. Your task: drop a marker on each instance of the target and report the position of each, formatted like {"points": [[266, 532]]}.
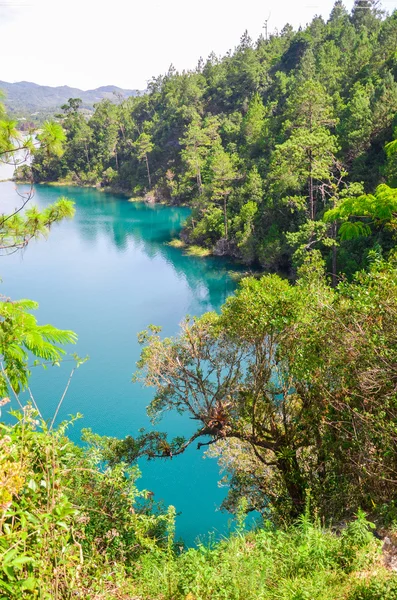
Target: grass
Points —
{"points": [[176, 243], [301, 563], [58, 506], [197, 251]]}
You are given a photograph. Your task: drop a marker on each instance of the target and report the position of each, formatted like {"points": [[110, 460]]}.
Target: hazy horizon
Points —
{"points": [[87, 45], [104, 85]]}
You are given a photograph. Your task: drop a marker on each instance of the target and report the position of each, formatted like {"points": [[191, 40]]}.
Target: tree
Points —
{"points": [[19, 227], [223, 173], [292, 375], [366, 13], [197, 142], [144, 147], [391, 161], [244, 224], [338, 13], [52, 138], [103, 132], [79, 136], [302, 164], [222, 371], [306, 157], [16, 148], [20, 335], [253, 124], [356, 123], [378, 209]]}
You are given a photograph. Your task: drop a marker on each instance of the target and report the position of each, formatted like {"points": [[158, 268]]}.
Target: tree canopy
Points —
{"points": [[297, 109]]}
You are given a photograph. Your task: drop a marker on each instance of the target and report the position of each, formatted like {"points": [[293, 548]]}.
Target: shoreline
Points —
{"points": [[191, 250]]}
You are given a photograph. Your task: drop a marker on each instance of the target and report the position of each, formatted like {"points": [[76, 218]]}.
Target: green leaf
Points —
{"points": [[32, 485]]}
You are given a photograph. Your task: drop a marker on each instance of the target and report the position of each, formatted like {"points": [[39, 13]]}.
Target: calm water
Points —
{"points": [[107, 274]]}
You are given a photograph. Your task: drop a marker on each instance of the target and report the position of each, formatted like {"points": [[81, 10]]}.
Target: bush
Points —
{"points": [[377, 589], [67, 519]]}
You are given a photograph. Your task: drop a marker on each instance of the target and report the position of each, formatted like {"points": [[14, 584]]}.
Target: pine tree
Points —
{"points": [[223, 173], [366, 13]]}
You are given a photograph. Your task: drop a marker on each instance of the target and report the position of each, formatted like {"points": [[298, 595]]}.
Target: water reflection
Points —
{"points": [[107, 274], [130, 226]]}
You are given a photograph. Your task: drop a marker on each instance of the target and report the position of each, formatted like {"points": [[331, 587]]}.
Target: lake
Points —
{"points": [[107, 274]]}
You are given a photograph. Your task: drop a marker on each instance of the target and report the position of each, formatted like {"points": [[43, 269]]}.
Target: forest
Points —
{"points": [[263, 144], [286, 152]]}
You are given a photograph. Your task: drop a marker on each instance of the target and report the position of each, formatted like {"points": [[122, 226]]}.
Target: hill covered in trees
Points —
{"points": [[24, 99], [261, 143]]}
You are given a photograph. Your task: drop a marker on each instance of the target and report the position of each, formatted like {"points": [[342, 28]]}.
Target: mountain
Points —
{"points": [[26, 98]]}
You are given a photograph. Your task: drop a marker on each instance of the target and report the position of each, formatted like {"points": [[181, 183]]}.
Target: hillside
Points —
{"points": [[261, 143], [24, 98]]}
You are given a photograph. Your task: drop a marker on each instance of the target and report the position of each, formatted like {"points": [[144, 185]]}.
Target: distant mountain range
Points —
{"points": [[27, 98]]}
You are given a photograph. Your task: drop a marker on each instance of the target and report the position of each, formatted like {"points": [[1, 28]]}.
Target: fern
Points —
{"points": [[351, 231], [20, 335]]}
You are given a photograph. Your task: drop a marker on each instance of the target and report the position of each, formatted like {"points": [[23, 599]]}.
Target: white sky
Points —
{"points": [[89, 43]]}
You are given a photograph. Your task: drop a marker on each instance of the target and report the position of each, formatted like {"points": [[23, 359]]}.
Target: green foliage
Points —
{"points": [[286, 382], [66, 519], [52, 137], [276, 122], [253, 124], [379, 588], [210, 227], [17, 229], [302, 562], [70, 522], [21, 334], [379, 209]]}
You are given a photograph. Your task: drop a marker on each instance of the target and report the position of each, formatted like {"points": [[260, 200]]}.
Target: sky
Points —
{"points": [[89, 43]]}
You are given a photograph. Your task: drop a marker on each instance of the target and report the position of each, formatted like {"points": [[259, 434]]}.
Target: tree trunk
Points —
{"points": [[87, 156], [311, 191], [148, 172], [199, 181], [290, 472], [334, 256], [225, 215]]}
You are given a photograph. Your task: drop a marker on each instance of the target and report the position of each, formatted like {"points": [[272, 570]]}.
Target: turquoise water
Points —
{"points": [[107, 274]]}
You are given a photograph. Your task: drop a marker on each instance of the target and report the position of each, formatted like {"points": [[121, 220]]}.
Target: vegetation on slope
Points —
{"points": [[260, 143], [72, 527], [31, 104]]}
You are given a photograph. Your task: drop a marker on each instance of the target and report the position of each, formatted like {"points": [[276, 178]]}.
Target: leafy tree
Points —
{"points": [[20, 334], [379, 209], [366, 13], [144, 147], [391, 161], [52, 138], [101, 137], [356, 123], [223, 173], [307, 156], [197, 142], [290, 374], [17, 229], [244, 223], [253, 124]]}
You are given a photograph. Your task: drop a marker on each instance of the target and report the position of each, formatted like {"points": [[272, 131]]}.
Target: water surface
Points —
{"points": [[107, 274]]}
